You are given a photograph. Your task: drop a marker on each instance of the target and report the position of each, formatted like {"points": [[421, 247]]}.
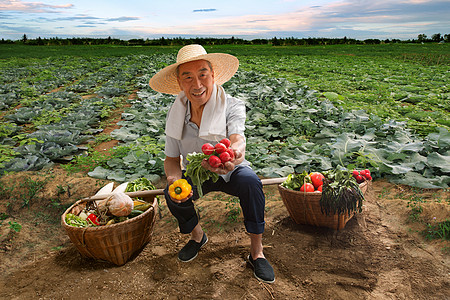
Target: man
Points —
{"points": [[204, 113]]}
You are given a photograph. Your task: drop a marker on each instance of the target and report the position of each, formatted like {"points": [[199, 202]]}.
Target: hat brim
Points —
{"points": [[224, 67]]}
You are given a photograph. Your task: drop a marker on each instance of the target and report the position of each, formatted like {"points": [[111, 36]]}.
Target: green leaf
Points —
{"points": [[439, 161], [397, 169], [197, 173], [417, 180], [117, 175], [99, 173], [332, 96]]}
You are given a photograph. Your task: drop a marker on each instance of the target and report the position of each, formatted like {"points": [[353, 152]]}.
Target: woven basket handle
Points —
{"points": [[267, 181], [130, 194]]}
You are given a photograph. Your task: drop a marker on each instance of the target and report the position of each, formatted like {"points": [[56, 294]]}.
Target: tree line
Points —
{"points": [[180, 41]]}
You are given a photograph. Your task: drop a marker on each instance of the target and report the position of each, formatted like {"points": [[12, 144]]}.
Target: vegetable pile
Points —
{"points": [[117, 208], [339, 187], [304, 182]]}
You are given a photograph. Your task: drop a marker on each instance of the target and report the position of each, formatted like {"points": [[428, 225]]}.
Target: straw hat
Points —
{"points": [[224, 67]]}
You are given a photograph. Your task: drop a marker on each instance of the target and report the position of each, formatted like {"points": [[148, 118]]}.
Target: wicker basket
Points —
{"points": [[304, 208], [116, 243]]}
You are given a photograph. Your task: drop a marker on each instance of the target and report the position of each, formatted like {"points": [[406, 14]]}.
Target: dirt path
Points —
{"points": [[378, 255]]}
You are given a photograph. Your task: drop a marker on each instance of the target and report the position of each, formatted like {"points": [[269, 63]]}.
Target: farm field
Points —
{"points": [[75, 118]]}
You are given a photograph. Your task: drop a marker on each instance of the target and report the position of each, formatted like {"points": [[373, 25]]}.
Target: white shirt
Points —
{"points": [[191, 142]]}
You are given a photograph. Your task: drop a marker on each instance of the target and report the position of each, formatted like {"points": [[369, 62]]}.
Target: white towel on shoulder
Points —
{"points": [[213, 125]]}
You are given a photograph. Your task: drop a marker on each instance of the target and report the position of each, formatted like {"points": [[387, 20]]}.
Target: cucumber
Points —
{"points": [[135, 213], [143, 207]]}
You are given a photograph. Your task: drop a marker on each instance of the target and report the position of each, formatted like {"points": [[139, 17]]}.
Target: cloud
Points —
{"points": [[123, 19], [82, 18], [31, 7], [385, 9], [77, 18], [4, 16], [352, 18], [15, 30], [204, 10], [365, 16], [95, 23], [256, 21], [334, 18], [416, 1]]}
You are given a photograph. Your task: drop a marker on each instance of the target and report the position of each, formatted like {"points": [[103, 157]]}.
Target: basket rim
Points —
{"points": [[102, 228], [315, 192], [299, 192]]}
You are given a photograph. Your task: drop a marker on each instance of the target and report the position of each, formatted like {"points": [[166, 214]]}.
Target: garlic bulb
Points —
{"points": [[120, 204], [83, 215]]}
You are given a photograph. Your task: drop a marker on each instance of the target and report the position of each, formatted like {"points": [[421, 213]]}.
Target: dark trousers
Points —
{"points": [[244, 184]]}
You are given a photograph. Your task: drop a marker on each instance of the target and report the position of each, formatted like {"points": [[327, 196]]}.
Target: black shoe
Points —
{"points": [[190, 250], [262, 269]]}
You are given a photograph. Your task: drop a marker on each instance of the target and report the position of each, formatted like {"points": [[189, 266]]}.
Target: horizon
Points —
{"points": [[218, 38]]}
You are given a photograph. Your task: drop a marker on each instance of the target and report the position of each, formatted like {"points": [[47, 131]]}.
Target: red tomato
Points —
{"points": [[208, 148], [317, 179], [355, 173], [226, 142], [307, 187], [93, 218], [320, 188], [214, 161], [219, 148]]}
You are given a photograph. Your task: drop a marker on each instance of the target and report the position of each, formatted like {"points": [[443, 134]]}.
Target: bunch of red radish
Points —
{"points": [[220, 153], [362, 175]]}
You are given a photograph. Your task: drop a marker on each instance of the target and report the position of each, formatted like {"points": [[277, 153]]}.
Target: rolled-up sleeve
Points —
{"points": [[236, 116], [172, 148]]}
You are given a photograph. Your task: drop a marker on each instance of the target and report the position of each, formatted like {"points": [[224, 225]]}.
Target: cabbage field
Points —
{"points": [[383, 107]]}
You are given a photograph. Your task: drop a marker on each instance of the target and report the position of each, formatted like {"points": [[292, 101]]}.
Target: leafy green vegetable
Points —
{"points": [[76, 221], [294, 181], [139, 184], [142, 184], [340, 193], [197, 173], [304, 112]]}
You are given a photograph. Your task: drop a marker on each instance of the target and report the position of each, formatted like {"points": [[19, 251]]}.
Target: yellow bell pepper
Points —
{"points": [[180, 189]]}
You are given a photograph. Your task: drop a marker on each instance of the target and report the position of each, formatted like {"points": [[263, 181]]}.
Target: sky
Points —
{"points": [[358, 19]]}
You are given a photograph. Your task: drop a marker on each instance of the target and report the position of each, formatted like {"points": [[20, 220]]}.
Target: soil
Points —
{"points": [[380, 254]]}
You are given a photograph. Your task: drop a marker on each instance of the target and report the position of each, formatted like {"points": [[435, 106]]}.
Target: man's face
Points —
{"points": [[196, 79]]}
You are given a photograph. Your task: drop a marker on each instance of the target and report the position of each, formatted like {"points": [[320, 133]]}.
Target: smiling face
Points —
{"points": [[196, 79]]}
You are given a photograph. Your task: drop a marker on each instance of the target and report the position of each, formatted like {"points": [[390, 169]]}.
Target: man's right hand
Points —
{"points": [[172, 179]]}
